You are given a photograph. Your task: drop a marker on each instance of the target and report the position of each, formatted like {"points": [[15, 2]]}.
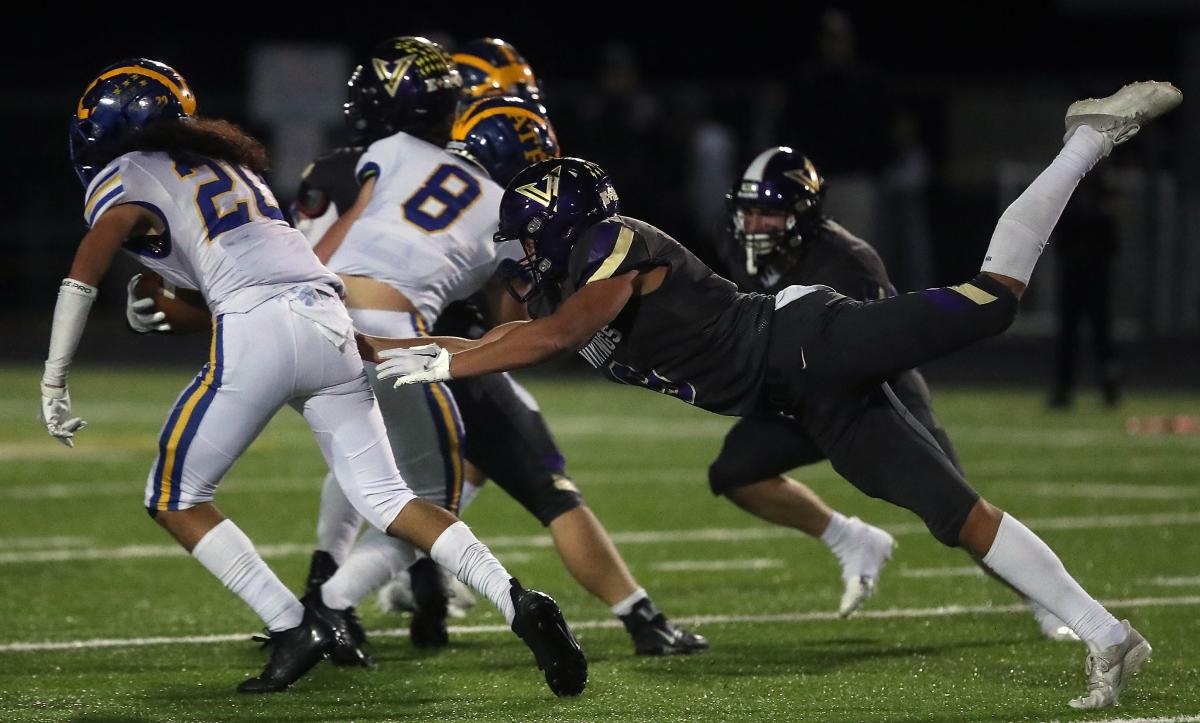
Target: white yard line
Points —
{"points": [[1105, 491], [920, 572], [645, 537], [1165, 719], [751, 563], [1175, 581], [797, 617]]}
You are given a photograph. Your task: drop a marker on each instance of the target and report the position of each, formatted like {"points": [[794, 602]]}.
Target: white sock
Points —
{"points": [[337, 522], [457, 549], [626, 606], [469, 491], [229, 555], [1025, 225], [839, 538], [1028, 564], [374, 559]]}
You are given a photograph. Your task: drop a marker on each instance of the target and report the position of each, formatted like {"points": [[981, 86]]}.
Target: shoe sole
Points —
{"points": [[871, 590], [555, 648], [1141, 101], [1132, 663]]}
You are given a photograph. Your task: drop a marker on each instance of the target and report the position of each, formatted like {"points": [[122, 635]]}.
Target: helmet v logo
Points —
{"points": [[391, 72], [806, 176], [543, 194]]}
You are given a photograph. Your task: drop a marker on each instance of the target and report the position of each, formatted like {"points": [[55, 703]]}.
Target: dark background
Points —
{"points": [[980, 86]]}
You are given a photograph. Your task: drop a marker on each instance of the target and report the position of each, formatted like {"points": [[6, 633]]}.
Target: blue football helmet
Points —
{"points": [[547, 207], [503, 135], [779, 180], [490, 66], [125, 98], [410, 85]]}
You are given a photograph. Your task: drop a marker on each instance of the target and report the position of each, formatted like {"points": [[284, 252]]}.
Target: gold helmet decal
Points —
{"points": [[544, 191], [391, 72], [806, 177]]}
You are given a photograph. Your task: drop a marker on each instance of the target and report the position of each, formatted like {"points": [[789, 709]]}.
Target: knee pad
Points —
{"points": [[556, 499], [725, 475], [946, 522]]}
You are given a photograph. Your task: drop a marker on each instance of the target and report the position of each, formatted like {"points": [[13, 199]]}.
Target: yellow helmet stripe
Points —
{"points": [[467, 121], [183, 93]]}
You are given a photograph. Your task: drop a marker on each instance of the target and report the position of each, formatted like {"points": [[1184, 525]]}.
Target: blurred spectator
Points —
{"points": [[1086, 244], [905, 204], [620, 127], [838, 113]]}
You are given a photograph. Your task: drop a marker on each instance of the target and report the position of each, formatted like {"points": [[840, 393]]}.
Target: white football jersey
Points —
{"points": [[225, 235], [427, 231]]}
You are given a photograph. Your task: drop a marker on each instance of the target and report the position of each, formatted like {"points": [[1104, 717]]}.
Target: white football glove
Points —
{"points": [[416, 365], [142, 315], [56, 415]]}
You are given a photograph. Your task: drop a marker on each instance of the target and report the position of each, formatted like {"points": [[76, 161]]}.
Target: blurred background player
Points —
{"points": [[1085, 245], [491, 66], [185, 196], [507, 436], [779, 236]]}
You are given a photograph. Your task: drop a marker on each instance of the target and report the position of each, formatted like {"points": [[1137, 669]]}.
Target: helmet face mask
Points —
{"points": [[124, 99], [782, 184], [547, 207], [408, 85]]}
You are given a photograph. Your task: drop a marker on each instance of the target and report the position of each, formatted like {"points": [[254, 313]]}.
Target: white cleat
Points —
{"points": [[1121, 115], [1051, 626], [1109, 670], [870, 551]]}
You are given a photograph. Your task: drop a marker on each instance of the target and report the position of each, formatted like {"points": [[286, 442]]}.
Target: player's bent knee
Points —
{"points": [[558, 501], [725, 477], [946, 524]]}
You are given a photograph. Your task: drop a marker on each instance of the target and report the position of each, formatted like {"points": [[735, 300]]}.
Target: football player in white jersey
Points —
{"points": [[184, 195], [418, 237]]}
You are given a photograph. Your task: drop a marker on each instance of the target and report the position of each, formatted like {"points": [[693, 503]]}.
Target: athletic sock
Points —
{"points": [[1025, 226], [624, 607], [373, 560], [337, 521], [457, 549], [228, 553], [1028, 564]]}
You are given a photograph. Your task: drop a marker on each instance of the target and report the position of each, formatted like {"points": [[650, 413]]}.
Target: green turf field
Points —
{"points": [[80, 561]]}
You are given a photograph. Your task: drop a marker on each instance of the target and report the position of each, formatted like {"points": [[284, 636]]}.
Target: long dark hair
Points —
{"points": [[197, 136]]}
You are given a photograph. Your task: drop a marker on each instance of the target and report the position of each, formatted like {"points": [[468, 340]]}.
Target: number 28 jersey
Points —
{"points": [[224, 233], [427, 231]]}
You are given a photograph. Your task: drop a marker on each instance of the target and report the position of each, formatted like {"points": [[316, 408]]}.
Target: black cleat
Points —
{"points": [[654, 634], [428, 626], [293, 653], [348, 633], [320, 570], [539, 623]]}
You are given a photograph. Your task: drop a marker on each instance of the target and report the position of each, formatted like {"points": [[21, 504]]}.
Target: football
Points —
{"points": [[185, 308]]}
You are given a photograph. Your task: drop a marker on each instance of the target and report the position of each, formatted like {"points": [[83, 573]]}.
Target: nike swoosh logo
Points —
{"points": [[803, 361]]}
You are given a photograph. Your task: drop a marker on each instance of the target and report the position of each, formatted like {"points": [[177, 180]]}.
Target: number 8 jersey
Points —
{"points": [[224, 234], [427, 231]]}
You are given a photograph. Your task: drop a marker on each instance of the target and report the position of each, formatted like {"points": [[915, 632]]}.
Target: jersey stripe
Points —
{"points": [[101, 191], [369, 170], [974, 293], [105, 203], [449, 430], [619, 252], [178, 435]]}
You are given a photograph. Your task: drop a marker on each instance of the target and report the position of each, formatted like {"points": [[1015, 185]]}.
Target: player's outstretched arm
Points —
{"points": [[75, 297], [523, 343]]}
